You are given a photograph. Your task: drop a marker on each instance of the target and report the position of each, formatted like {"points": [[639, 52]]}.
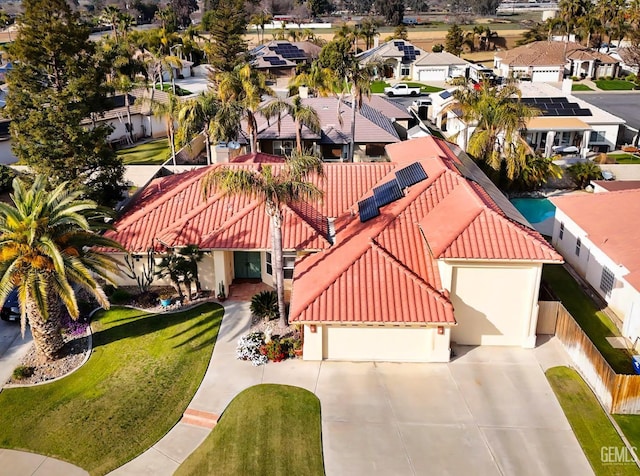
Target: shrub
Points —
{"points": [[583, 172], [575, 78], [22, 372], [275, 350], [249, 348], [631, 77], [119, 296], [265, 305]]}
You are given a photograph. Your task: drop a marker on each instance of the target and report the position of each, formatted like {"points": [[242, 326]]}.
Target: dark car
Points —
{"points": [[11, 309]]}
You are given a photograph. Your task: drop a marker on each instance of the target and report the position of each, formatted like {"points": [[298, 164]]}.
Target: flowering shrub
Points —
{"points": [[72, 327], [275, 350], [249, 348]]}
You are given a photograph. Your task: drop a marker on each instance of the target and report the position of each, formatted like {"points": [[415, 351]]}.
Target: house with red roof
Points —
{"points": [[598, 235], [398, 259]]}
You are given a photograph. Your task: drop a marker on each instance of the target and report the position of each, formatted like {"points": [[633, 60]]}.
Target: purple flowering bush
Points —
{"points": [[72, 327]]}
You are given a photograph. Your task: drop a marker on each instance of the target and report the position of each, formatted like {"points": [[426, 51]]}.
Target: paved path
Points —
{"points": [[490, 411], [20, 463], [12, 348]]}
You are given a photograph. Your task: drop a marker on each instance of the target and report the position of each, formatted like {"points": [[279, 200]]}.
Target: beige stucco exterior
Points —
{"points": [[495, 303], [376, 343]]}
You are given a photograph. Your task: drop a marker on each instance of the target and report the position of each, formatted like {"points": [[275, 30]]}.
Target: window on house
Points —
{"points": [[283, 147], [578, 246], [288, 262], [405, 70], [607, 280], [561, 234], [597, 136], [375, 150]]}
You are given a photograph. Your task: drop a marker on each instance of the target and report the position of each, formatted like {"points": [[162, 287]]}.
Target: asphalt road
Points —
{"points": [[625, 105]]}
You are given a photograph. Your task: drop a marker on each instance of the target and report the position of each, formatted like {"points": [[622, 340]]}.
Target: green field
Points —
{"points": [[142, 374], [266, 429]]}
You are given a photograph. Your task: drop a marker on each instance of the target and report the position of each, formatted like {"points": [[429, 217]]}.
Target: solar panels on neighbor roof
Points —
{"points": [[390, 191]]}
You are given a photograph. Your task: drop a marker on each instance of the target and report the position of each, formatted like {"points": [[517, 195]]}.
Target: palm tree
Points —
{"points": [[369, 30], [498, 116], [207, 114], [244, 87], [319, 80], [169, 112], [276, 188], [301, 114], [48, 246], [125, 22], [124, 84], [111, 15], [260, 19]]}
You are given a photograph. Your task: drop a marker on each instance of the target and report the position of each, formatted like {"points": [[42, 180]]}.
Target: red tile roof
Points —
{"points": [[611, 223], [257, 158], [617, 185], [385, 270], [171, 211]]}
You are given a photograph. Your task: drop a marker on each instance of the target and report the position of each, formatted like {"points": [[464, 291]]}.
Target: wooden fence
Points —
{"points": [[618, 393]]}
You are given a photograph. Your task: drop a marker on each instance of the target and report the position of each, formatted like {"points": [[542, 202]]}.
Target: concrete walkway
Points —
{"points": [[21, 463]]}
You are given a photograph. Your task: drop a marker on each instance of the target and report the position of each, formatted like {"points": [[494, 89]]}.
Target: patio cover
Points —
{"points": [[557, 124]]}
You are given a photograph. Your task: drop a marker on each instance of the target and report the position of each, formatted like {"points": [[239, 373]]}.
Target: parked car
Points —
{"points": [[401, 89], [11, 309]]}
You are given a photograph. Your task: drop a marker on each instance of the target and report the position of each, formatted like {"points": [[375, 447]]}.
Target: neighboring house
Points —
{"points": [[439, 67], [395, 262], [564, 121], [598, 235], [279, 58], [600, 186], [373, 131], [548, 61], [143, 122], [629, 58], [397, 56], [178, 71]]}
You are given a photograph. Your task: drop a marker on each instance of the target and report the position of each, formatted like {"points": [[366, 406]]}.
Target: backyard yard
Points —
{"points": [[142, 374], [625, 158], [589, 422], [154, 152], [266, 429], [594, 322]]}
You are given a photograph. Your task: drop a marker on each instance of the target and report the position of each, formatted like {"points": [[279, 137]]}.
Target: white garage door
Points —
{"points": [[377, 343], [433, 74], [546, 75]]}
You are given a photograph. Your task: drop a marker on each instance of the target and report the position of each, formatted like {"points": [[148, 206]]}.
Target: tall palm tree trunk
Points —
{"points": [[276, 263], [352, 140], [172, 139], [207, 143], [298, 136], [128, 106], [47, 335]]}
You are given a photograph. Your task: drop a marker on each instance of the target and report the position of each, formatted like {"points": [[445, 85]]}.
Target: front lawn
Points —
{"points": [[142, 374], [595, 323], [614, 84], [589, 422], [155, 152], [580, 87], [266, 429], [625, 158], [168, 88], [630, 426], [378, 86]]}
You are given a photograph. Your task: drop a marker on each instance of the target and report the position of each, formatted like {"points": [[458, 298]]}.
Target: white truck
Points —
{"points": [[401, 89]]}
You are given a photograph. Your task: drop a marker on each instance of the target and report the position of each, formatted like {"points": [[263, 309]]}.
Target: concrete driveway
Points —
{"points": [[490, 411], [12, 348]]}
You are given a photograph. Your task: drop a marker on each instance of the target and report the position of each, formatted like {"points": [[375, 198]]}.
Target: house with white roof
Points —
{"points": [[566, 123], [598, 235], [439, 67]]}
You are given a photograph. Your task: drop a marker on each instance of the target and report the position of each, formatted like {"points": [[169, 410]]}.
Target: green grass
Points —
{"points": [[595, 323], [266, 429], [614, 84], [588, 420], [580, 87], [378, 86], [166, 87], [143, 371], [625, 158], [155, 152], [630, 426]]}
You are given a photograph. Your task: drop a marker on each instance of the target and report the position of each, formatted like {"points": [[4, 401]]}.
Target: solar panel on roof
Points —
{"points": [[582, 112], [445, 94], [387, 192], [368, 209], [411, 175]]}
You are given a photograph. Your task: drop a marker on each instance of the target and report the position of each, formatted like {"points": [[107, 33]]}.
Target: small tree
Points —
{"points": [[454, 40], [584, 172]]}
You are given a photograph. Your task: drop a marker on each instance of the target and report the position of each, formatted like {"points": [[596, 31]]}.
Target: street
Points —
{"points": [[625, 105]]}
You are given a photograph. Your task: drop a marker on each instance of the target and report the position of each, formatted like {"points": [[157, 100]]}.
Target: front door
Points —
{"points": [[247, 264]]}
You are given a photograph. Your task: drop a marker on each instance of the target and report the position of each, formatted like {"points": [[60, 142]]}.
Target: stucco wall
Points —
{"points": [[624, 300], [494, 304], [377, 343]]}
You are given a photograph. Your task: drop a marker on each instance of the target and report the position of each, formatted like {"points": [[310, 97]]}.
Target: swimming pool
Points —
{"points": [[535, 210]]}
